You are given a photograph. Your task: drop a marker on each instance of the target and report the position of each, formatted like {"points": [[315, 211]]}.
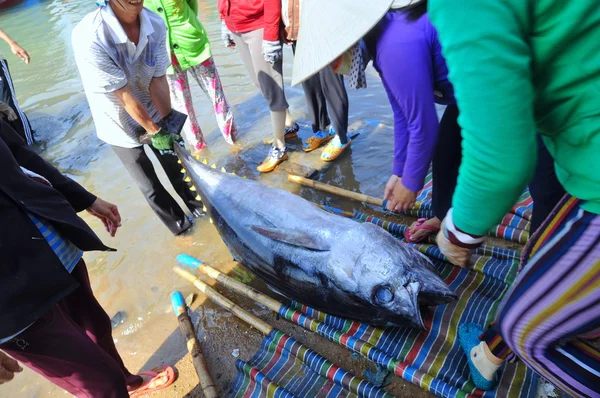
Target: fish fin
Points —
{"points": [[293, 237]]}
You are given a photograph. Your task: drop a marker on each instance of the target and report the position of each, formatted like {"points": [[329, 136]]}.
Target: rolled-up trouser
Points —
{"points": [[326, 95], [268, 78]]}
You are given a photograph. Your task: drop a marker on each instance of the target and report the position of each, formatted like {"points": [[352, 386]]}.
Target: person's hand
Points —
{"points": [[20, 52], [107, 213], [456, 245], [272, 51], [8, 368], [399, 198], [283, 37], [455, 254], [227, 36], [163, 141], [7, 112]]}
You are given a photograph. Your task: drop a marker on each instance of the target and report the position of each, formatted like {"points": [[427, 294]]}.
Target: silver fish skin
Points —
{"points": [[352, 270]]}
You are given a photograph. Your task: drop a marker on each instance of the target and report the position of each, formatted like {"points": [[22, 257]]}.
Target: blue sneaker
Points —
{"points": [[317, 139], [468, 336]]}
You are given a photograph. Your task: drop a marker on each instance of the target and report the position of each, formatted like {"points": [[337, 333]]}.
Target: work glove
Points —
{"points": [[7, 112], [163, 141], [456, 245], [227, 36], [272, 51]]}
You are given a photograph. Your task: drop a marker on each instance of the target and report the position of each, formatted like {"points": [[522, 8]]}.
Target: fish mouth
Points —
{"points": [[414, 288], [433, 290]]}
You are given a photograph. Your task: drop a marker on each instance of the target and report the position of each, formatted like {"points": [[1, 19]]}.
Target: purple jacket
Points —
{"points": [[408, 57]]}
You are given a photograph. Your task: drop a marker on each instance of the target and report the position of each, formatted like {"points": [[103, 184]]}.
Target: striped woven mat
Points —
{"points": [[514, 226], [432, 359]]}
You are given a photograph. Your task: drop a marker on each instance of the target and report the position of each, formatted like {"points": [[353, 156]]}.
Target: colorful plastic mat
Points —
{"points": [[514, 226], [285, 368], [432, 359]]}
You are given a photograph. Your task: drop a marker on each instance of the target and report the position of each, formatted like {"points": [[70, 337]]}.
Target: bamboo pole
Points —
{"points": [[335, 190], [224, 302], [228, 281], [209, 389]]}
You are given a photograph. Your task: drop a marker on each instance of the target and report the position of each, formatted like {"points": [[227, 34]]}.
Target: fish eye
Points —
{"points": [[384, 294]]}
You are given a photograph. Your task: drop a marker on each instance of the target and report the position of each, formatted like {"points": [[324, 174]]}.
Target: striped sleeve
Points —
{"points": [[162, 57], [99, 72]]}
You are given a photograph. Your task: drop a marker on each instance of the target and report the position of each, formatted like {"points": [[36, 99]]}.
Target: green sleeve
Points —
{"points": [[484, 43], [194, 6]]}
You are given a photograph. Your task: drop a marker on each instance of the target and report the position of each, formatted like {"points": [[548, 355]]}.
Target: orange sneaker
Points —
{"points": [[276, 157], [318, 139]]}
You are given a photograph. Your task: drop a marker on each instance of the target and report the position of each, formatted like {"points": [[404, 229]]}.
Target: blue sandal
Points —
{"points": [[468, 336]]}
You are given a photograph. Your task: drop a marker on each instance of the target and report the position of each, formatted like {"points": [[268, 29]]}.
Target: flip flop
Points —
{"points": [[420, 225], [155, 373], [332, 152]]}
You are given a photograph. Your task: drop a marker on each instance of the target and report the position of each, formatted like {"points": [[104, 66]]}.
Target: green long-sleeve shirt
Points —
{"points": [[517, 67], [186, 37]]}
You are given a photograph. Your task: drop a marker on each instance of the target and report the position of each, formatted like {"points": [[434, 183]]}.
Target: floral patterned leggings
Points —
{"points": [[208, 78]]}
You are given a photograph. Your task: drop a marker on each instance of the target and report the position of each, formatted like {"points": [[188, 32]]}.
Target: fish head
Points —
{"points": [[393, 279]]}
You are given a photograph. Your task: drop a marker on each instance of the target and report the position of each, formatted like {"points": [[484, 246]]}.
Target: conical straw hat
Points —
{"points": [[330, 27]]}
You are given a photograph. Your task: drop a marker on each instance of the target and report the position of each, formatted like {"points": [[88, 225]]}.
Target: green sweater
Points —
{"points": [[186, 37], [521, 66]]}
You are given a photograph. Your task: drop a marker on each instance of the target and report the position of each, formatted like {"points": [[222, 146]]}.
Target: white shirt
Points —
{"points": [[108, 61]]}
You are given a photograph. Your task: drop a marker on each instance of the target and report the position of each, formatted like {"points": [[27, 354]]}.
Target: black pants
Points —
{"points": [[326, 96], [164, 205], [545, 189], [446, 161], [9, 97]]}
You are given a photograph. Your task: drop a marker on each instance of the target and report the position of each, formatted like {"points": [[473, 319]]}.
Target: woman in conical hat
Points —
{"points": [[405, 51]]}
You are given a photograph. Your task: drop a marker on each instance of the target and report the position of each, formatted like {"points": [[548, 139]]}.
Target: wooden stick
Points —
{"points": [[209, 389], [335, 190], [224, 302]]}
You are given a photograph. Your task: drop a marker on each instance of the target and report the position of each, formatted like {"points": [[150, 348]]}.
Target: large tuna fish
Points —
{"points": [[342, 267]]}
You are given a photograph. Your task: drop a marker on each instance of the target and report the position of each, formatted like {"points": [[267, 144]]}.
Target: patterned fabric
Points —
{"points": [[514, 226], [556, 300], [497, 345], [358, 78], [431, 359], [286, 368], [108, 61], [208, 78]]}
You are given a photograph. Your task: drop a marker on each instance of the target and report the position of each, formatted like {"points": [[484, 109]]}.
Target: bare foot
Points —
{"points": [[422, 232]]}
